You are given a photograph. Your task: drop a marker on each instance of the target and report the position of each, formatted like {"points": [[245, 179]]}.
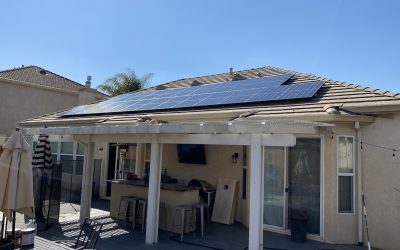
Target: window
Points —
{"points": [[130, 160], [79, 157], [147, 156], [54, 151], [345, 172], [71, 156]]}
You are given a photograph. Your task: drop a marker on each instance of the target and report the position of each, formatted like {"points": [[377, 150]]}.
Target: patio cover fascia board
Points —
{"points": [[212, 127], [281, 140]]}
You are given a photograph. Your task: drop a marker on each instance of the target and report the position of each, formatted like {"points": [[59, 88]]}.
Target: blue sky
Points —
{"points": [[353, 41]]}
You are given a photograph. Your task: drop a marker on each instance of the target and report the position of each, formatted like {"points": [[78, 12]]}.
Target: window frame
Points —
{"points": [[146, 161], [352, 175], [74, 155]]}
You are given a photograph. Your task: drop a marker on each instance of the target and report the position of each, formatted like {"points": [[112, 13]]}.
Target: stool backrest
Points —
{"points": [[89, 234]]}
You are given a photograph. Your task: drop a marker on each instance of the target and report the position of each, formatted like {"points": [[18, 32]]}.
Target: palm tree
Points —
{"points": [[125, 82]]}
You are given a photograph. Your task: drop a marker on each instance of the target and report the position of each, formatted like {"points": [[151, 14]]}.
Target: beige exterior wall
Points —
{"points": [[338, 228], [19, 102], [87, 95], [381, 181], [219, 165]]}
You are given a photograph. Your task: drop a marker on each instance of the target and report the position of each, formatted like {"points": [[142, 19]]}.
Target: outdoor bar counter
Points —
{"points": [[171, 194]]}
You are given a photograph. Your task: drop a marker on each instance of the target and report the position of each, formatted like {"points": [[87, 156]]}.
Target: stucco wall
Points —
{"points": [[381, 178], [338, 228], [19, 102], [219, 165]]}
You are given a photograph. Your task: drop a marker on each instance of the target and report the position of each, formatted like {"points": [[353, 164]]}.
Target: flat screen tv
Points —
{"points": [[191, 153]]}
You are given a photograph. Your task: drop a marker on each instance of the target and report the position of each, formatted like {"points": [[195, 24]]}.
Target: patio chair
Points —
{"points": [[88, 236]]}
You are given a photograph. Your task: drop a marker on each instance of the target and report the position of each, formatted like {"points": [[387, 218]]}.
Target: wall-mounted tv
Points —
{"points": [[191, 153]]}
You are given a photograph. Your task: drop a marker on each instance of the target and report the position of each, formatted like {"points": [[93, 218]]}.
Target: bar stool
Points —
{"points": [[185, 212], [201, 206], [142, 212], [131, 202]]}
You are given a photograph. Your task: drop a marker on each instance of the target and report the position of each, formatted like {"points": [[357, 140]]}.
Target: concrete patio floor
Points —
{"points": [[218, 236]]}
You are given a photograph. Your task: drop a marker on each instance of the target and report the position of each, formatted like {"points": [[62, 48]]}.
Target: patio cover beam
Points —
{"points": [[225, 127], [208, 139]]}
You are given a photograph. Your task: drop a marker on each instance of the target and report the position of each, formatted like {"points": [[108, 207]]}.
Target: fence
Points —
{"points": [[71, 183]]}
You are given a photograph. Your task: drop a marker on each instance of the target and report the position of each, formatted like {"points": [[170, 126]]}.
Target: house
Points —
{"points": [[31, 91], [295, 143]]}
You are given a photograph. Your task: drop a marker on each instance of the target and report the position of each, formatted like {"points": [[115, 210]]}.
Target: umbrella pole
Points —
{"points": [[13, 224], [5, 229], [2, 228], [13, 211]]}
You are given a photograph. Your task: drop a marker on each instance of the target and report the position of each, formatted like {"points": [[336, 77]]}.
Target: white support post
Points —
{"points": [[256, 194], [87, 180], [153, 200]]}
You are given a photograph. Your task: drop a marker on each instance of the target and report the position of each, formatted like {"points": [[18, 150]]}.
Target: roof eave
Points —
{"points": [[374, 107]]}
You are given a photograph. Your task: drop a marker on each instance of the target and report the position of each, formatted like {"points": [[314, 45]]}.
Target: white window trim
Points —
{"points": [[338, 174], [145, 160], [74, 155]]}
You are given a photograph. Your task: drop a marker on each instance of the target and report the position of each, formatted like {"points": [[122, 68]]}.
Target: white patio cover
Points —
{"points": [[16, 188]]}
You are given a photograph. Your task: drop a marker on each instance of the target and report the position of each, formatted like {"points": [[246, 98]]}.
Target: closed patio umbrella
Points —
{"points": [[41, 159], [16, 188], [42, 154]]}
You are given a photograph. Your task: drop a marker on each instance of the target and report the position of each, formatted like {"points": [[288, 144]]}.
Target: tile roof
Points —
{"points": [[332, 98], [264, 72], [39, 76]]}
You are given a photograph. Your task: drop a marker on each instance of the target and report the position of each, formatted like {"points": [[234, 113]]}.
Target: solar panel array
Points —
{"points": [[237, 92]]}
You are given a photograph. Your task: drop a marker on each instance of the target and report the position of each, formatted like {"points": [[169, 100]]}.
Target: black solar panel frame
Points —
{"points": [[239, 93]]}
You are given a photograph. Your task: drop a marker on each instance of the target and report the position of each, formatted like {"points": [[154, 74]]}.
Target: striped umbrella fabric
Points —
{"points": [[42, 154]]}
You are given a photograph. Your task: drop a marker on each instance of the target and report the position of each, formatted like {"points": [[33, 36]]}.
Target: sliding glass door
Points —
{"points": [[292, 185], [274, 186], [304, 177]]}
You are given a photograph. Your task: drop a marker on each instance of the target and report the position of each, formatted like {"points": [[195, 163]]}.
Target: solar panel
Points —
{"points": [[237, 92]]}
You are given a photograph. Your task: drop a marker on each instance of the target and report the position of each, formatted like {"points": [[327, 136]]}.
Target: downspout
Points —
{"points": [[359, 184]]}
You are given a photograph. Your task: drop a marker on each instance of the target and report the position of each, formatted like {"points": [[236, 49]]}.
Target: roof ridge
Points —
{"points": [[59, 75], [16, 68], [74, 85], [34, 66], [347, 84], [209, 75]]}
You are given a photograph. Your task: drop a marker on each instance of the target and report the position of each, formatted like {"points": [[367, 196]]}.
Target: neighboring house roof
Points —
{"points": [[334, 98], [42, 77]]}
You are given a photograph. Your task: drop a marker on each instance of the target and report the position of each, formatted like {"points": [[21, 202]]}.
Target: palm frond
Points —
{"points": [[125, 82]]}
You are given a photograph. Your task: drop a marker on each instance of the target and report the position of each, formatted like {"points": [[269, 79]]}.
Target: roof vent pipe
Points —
{"points": [[88, 82], [231, 71]]}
